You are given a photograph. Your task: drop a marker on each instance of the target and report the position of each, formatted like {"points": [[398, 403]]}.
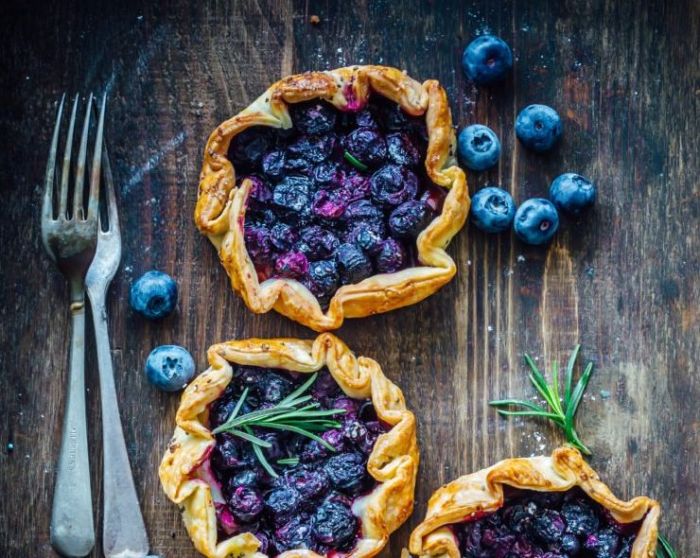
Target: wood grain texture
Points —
{"points": [[624, 281]]}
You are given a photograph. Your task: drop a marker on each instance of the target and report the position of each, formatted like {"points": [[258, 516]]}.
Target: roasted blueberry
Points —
{"points": [[408, 219], [366, 235], [363, 210], [325, 386], [367, 146], [318, 243], [328, 173], [229, 454], [492, 210], [246, 504], [295, 534], [309, 482], [536, 221], [604, 543], [548, 526], [248, 147], [245, 477], [282, 501], [170, 367], [348, 405], [154, 295], [298, 166], [313, 117], [538, 127], [479, 147], [323, 278], [353, 264], [391, 256], [572, 193], [330, 204], [283, 236], [275, 387], [580, 518], [292, 265], [392, 115], [260, 193], [570, 544], [487, 59], [356, 185], [293, 193], [273, 163], [334, 524], [365, 119], [347, 472], [393, 185], [258, 242], [401, 150], [312, 149]]}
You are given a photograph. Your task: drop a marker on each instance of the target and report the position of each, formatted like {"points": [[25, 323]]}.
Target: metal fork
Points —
{"points": [[124, 533], [70, 239]]}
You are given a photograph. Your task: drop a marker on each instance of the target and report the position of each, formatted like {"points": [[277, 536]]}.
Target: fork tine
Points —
{"points": [[65, 173], [113, 214], [80, 165], [94, 201], [47, 206]]}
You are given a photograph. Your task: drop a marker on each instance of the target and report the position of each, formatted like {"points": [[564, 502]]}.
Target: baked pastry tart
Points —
{"points": [[334, 195], [538, 507], [291, 448]]}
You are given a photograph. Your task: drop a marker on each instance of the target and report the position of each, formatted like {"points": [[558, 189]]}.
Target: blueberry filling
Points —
{"points": [[345, 190], [546, 525], [309, 503]]}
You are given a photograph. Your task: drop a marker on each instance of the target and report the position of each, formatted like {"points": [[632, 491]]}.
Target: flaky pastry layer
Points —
{"points": [[393, 462], [479, 492], [220, 210]]}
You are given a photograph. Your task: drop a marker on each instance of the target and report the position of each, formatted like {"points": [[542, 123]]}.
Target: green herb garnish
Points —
{"points": [[354, 162], [561, 412], [665, 550], [292, 414]]}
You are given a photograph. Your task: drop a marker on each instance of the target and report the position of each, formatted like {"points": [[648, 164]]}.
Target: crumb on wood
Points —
{"points": [[314, 20]]}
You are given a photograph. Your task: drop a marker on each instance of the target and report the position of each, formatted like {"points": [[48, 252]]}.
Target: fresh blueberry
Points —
{"points": [[572, 193], [487, 59], [401, 150], [347, 472], [408, 219], [366, 145], [246, 504], [293, 193], [334, 524], [492, 210], [154, 295], [392, 185], [536, 221], [169, 367], [538, 127], [478, 147], [313, 117], [353, 264]]}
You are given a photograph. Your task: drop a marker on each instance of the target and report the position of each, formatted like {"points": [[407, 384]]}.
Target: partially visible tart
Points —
{"points": [[334, 195], [539, 507], [341, 499]]}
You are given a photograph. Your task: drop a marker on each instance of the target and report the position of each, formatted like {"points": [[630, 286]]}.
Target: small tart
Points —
{"points": [[488, 493], [413, 263], [188, 476]]}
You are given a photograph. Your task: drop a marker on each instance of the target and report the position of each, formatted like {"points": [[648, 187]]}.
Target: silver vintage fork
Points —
{"points": [[124, 532], [70, 238]]}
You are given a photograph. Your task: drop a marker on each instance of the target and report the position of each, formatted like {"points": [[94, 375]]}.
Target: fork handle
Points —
{"points": [[124, 532], [72, 527]]}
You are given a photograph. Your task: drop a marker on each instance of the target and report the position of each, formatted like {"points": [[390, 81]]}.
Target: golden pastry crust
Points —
{"points": [[393, 462], [220, 210], [483, 492]]}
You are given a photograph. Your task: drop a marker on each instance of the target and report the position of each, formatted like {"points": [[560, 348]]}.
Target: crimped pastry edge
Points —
{"points": [[483, 491], [220, 209], [393, 461]]}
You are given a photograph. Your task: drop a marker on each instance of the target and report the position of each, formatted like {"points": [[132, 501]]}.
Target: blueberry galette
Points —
{"points": [[291, 448], [335, 194], [538, 507]]}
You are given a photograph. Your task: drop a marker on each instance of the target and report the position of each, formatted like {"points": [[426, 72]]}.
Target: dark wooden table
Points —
{"points": [[624, 282]]}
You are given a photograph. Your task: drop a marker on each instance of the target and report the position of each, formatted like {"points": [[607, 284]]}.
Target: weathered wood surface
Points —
{"points": [[623, 282]]}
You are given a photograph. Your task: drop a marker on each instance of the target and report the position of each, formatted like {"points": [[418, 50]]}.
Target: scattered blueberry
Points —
{"points": [[492, 210], [478, 147], [169, 367], [572, 193], [487, 59], [154, 295], [536, 221], [538, 127]]}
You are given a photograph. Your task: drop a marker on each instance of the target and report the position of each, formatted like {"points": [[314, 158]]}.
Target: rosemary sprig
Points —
{"points": [[293, 414], [665, 550], [560, 412], [353, 161]]}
